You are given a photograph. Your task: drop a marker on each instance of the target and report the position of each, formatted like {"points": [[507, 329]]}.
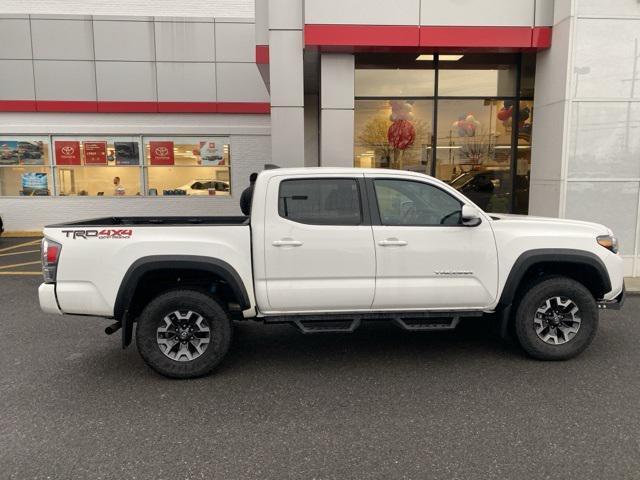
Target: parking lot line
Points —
{"points": [[4, 267], [20, 273], [18, 253], [26, 244]]}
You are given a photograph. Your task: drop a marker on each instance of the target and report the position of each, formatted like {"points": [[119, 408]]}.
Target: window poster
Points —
{"points": [[127, 153], [161, 153], [21, 152], [95, 153], [211, 152], [35, 183], [67, 152]]}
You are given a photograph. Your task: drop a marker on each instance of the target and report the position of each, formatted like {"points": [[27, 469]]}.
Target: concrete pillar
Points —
{"points": [[286, 82], [337, 72], [551, 118]]}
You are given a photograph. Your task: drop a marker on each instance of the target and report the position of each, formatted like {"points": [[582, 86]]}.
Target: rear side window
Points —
{"points": [[320, 201]]}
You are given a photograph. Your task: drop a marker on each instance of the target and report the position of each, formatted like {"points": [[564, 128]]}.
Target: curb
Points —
{"points": [[22, 233]]}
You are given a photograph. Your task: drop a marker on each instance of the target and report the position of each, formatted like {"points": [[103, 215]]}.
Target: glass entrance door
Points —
{"points": [[461, 118]]}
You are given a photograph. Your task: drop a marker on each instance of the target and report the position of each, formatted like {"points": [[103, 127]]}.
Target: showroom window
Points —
{"points": [[450, 116], [25, 166], [97, 166], [114, 166], [187, 165]]}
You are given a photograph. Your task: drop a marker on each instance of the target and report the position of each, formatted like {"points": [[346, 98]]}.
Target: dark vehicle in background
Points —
{"points": [[490, 189], [21, 152], [28, 150], [1, 226]]}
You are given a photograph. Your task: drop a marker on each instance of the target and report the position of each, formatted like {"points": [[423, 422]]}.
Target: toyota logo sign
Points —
{"points": [[161, 151], [68, 150]]}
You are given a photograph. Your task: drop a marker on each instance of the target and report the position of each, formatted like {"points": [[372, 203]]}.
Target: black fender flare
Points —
{"points": [[148, 264], [530, 258]]}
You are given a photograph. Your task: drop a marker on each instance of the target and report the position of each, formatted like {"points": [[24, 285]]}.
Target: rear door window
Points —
{"points": [[320, 201]]}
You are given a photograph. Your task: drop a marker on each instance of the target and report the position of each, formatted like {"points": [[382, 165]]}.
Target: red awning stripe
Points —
{"points": [[262, 54], [73, 106], [402, 36]]}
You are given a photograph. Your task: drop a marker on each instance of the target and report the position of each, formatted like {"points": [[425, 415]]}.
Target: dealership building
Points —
{"points": [[527, 106]]}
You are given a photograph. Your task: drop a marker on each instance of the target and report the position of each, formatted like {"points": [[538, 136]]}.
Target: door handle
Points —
{"points": [[393, 242], [286, 243]]}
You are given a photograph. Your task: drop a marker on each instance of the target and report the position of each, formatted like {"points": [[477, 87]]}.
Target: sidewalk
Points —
{"points": [[632, 284]]}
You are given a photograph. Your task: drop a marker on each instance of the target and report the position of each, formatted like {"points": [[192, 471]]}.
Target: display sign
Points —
{"points": [[211, 152], [161, 153], [67, 152], [127, 153], [35, 183], [9, 152], [95, 153], [21, 152]]}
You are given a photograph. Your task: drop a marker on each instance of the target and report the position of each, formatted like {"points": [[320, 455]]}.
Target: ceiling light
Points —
{"points": [[444, 58], [450, 58]]}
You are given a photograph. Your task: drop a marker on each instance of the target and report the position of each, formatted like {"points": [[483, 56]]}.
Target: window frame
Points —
{"points": [[376, 218], [395, 60], [365, 215]]}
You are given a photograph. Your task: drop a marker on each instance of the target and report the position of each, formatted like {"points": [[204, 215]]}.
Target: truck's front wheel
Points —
{"points": [[556, 319], [183, 334]]}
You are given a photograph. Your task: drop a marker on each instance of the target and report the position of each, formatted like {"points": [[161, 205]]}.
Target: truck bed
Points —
{"points": [[151, 221]]}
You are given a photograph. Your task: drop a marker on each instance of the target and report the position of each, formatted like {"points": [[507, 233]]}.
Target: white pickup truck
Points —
{"points": [[328, 248]]}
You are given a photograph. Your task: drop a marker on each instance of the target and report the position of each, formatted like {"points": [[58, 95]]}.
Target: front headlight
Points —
{"points": [[610, 242]]}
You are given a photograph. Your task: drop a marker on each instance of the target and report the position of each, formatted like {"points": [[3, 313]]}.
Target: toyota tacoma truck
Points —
{"points": [[326, 249]]}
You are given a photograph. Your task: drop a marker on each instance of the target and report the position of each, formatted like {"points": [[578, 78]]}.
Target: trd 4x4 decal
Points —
{"points": [[101, 234]]}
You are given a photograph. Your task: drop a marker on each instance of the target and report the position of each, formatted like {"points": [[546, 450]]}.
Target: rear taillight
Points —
{"points": [[50, 255]]}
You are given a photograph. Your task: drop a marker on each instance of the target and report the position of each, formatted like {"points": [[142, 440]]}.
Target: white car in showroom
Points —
{"points": [[201, 186]]}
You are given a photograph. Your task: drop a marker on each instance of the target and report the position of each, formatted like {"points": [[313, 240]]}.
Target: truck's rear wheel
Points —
{"points": [[183, 334], [556, 319]]}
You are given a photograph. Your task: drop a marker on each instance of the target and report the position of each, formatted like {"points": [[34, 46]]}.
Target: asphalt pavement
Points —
{"points": [[380, 403]]}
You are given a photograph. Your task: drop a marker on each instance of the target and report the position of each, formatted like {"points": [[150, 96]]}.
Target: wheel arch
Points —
{"points": [[584, 267], [145, 266]]}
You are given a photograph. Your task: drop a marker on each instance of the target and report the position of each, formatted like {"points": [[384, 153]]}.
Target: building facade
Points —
{"points": [[527, 106]]}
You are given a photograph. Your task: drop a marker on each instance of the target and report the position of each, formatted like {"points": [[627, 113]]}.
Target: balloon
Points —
{"points": [[466, 125], [504, 114], [401, 134], [401, 110]]}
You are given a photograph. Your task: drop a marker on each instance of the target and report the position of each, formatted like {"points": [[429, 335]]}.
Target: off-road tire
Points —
{"points": [[534, 297], [152, 317]]}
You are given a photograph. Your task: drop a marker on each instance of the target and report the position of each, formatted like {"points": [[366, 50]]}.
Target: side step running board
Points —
{"points": [[347, 323], [422, 324], [336, 326]]}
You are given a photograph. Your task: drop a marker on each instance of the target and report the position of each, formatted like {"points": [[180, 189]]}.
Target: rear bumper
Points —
{"points": [[47, 298], [614, 304]]}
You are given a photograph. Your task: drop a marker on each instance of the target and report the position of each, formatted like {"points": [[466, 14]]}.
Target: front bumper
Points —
{"points": [[47, 298], [615, 303]]}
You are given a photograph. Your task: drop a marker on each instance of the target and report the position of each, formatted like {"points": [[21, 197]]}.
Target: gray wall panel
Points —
{"points": [[235, 42], [186, 82], [181, 42], [64, 80], [14, 38], [16, 80], [126, 81], [62, 39], [240, 82], [477, 12], [124, 40]]}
